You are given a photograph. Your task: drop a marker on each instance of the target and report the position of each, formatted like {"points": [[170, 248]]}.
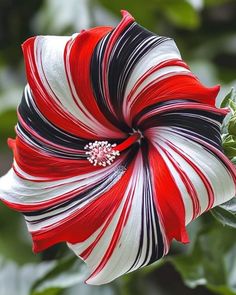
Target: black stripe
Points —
{"points": [[90, 193], [157, 105], [131, 46], [37, 122], [152, 226], [198, 123]]}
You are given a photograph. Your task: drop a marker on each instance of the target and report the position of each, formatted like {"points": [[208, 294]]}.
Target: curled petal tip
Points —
{"points": [[184, 237], [11, 142], [125, 13], [216, 89], [225, 110], [27, 42], [130, 86]]}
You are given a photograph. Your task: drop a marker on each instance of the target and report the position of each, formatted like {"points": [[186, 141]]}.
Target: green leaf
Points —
{"points": [[232, 106], [230, 205], [233, 160], [229, 146], [231, 96], [232, 123], [229, 126], [212, 261], [226, 213], [229, 140]]}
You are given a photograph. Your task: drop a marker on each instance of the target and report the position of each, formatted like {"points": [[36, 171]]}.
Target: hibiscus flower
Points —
{"points": [[118, 147]]}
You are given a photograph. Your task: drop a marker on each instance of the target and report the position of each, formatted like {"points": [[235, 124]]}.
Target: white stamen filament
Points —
{"points": [[101, 153]]}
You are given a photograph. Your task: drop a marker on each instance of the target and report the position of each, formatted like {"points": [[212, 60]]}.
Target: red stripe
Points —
{"points": [[79, 226], [39, 163], [166, 63], [204, 179], [79, 52], [47, 105], [43, 204], [181, 86], [188, 184], [128, 142], [167, 198], [117, 232], [225, 160], [114, 239], [116, 236]]}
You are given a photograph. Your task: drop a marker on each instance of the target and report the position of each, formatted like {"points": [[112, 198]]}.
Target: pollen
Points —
{"points": [[101, 153]]}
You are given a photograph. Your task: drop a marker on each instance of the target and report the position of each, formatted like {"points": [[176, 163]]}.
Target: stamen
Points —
{"points": [[101, 153]]}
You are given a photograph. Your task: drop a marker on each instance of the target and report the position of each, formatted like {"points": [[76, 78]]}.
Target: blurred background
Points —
{"points": [[205, 32]]}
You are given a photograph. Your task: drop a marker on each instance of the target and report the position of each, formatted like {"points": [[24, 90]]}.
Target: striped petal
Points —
{"points": [[118, 147]]}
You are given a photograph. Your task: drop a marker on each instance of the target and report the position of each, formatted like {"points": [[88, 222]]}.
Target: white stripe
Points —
{"points": [[49, 54], [213, 169], [126, 250], [67, 212], [17, 190], [162, 52]]}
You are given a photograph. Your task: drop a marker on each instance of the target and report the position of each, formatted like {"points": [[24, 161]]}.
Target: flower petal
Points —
{"points": [[123, 92], [53, 90], [122, 249]]}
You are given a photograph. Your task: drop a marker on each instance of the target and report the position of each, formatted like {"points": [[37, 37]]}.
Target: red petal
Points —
{"points": [[80, 53], [175, 87]]}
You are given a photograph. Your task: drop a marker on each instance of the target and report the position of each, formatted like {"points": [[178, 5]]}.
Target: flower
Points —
{"points": [[118, 147]]}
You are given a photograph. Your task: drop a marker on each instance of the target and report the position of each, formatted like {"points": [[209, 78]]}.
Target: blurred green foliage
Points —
{"points": [[211, 261], [226, 213], [205, 32]]}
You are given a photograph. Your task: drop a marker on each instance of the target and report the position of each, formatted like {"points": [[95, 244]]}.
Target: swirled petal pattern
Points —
{"points": [[118, 147]]}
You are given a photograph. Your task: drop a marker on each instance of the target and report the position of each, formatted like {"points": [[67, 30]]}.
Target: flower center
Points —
{"points": [[102, 153]]}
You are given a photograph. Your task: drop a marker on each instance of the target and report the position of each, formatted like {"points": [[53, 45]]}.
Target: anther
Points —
{"points": [[103, 153]]}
